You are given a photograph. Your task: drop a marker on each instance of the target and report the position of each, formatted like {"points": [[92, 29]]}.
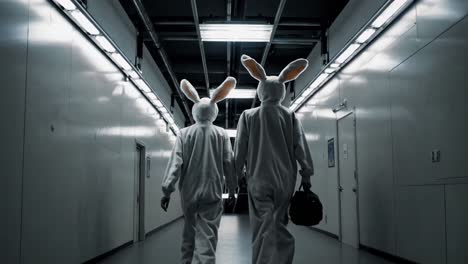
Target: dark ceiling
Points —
{"points": [[300, 26]]}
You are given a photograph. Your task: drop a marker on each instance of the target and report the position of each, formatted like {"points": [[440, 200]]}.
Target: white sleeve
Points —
{"points": [[301, 150], [173, 169], [242, 142], [228, 165]]}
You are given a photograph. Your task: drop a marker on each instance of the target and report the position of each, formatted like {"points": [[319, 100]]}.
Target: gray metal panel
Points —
{"points": [[319, 124], [82, 121], [13, 49], [428, 99], [457, 217], [420, 212], [112, 17]]}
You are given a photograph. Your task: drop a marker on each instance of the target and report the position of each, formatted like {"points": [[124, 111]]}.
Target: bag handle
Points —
{"points": [[304, 189]]}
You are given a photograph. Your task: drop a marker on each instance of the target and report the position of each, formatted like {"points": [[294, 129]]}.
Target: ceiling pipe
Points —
{"points": [[154, 37], [200, 44]]}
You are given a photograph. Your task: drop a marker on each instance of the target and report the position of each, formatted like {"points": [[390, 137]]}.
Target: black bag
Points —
{"points": [[305, 208]]}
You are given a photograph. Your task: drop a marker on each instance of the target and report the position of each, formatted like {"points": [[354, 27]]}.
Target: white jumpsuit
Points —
{"points": [[201, 157], [270, 140]]}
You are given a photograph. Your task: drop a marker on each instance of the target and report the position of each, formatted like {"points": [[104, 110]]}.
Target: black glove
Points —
{"points": [[165, 202]]}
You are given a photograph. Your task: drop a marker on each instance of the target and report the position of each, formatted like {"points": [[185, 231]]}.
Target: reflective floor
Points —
{"points": [[234, 246]]}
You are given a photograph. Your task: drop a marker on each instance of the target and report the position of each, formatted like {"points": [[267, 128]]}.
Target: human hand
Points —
{"points": [[306, 183], [232, 198], [165, 202]]}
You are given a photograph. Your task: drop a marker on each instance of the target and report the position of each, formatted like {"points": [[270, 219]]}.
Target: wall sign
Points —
{"points": [[331, 152]]}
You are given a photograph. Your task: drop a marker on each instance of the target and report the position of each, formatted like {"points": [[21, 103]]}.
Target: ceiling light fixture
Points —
{"points": [[240, 93], [236, 32], [365, 36], [389, 12], [105, 44], [232, 133], [123, 63], [67, 4], [84, 23]]}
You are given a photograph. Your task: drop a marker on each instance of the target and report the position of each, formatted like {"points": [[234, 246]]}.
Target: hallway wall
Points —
{"points": [[408, 88], [67, 163]]}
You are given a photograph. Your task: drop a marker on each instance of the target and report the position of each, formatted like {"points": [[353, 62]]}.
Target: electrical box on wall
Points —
{"points": [[435, 156]]}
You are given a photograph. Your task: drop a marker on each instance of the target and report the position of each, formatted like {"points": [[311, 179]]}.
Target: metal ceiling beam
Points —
{"points": [[200, 44], [228, 58], [229, 45], [154, 36], [273, 31], [282, 24], [279, 11], [279, 41]]}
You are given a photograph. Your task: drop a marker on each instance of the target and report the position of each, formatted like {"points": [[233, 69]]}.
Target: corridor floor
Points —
{"points": [[234, 246]]}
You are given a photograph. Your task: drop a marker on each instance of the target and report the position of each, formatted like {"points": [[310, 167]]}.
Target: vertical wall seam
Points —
{"points": [[24, 135], [445, 223]]}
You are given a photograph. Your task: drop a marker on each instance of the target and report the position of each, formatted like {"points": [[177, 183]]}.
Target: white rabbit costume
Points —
{"points": [[270, 140], [201, 157]]}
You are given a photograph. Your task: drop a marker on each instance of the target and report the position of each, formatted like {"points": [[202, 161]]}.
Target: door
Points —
{"points": [[348, 181], [139, 200]]}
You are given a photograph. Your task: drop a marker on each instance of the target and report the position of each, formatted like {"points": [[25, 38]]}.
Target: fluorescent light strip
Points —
{"points": [[236, 32], [365, 36], [105, 44], [240, 94], [232, 133], [389, 12], [88, 25], [372, 27], [84, 23], [67, 4], [133, 74], [142, 85], [348, 52], [119, 59], [319, 80]]}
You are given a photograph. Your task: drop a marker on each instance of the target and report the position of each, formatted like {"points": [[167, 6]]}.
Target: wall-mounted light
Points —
{"points": [[86, 23], [105, 44], [360, 41], [67, 4]]}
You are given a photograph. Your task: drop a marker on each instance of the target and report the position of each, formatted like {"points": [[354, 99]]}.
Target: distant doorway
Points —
{"points": [[348, 180], [139, 199]]}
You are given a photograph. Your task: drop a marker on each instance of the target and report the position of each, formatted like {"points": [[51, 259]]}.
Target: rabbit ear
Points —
{"points": [[223, 90], [254, 68], [293, 70], [189, 91]]}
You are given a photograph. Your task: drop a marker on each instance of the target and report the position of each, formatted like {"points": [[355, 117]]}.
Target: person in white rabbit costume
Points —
{"points": [[269, 143], [201, 158]]}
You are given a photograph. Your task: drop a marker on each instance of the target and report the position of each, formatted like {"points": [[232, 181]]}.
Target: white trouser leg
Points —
{"points": [[208, 218]]}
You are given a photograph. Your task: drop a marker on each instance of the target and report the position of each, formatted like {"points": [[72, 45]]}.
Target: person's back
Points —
{"points": [[270, 140], [201, 157], [271, 155], [205, 148]]}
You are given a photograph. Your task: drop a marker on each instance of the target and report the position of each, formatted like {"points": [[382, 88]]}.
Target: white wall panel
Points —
{"points": [[420, 212], [13, 50], [82, 120], [112, 17], [457, 229], [319, 123], [408, 90]]}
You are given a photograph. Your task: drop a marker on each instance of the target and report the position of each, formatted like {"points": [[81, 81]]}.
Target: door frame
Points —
{"points": [[139, 195], [356, 173]]}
